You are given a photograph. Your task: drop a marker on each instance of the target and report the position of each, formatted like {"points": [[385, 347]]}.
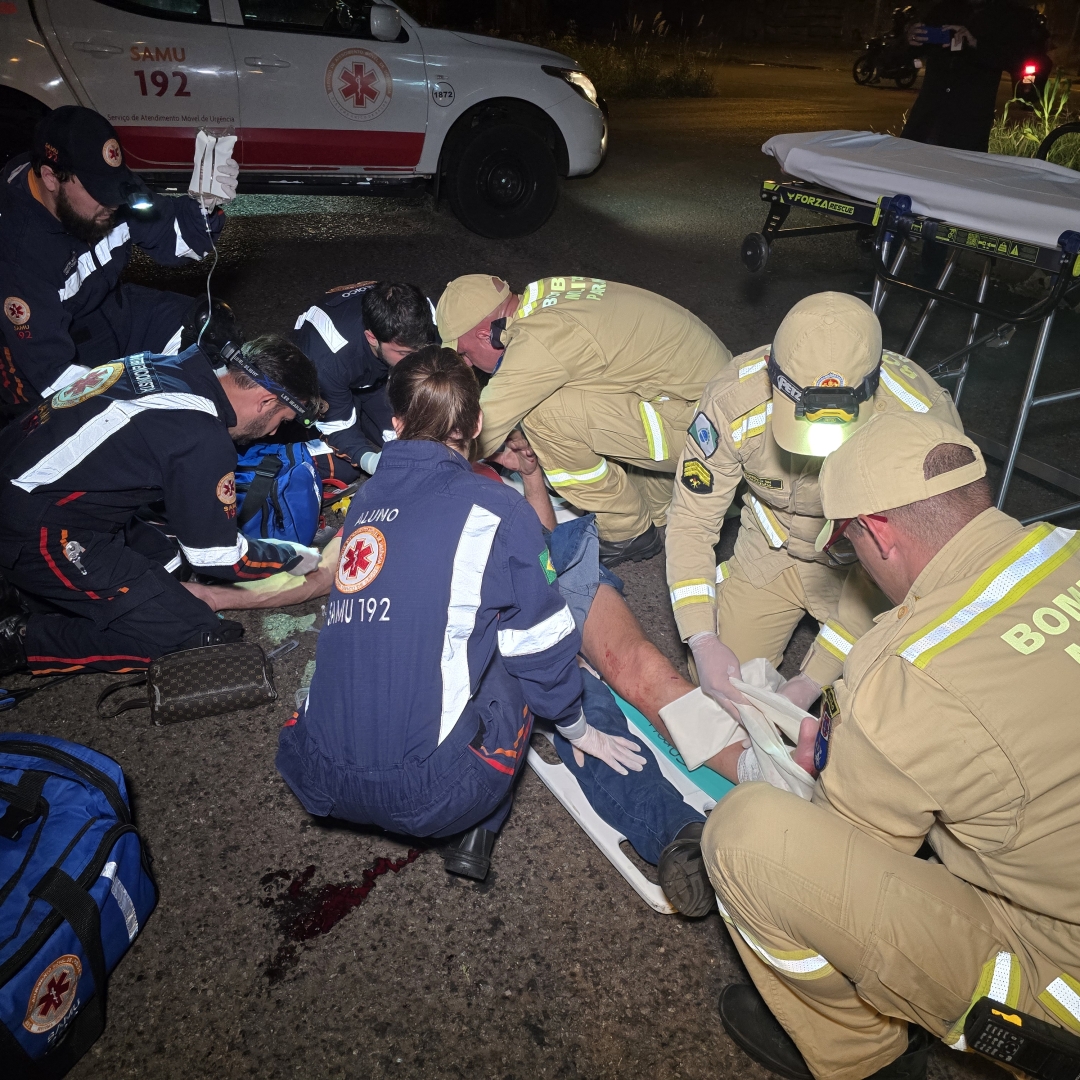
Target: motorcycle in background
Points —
{"points": [[888, 56]]}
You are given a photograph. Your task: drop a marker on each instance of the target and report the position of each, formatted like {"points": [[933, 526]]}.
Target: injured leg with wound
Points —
{"points": [[614, 643]]}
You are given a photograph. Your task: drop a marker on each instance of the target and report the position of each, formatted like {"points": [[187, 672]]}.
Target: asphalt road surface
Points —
{"points": [[553, 967]]}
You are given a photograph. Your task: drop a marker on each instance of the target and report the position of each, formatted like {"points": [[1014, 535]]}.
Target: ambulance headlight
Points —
{"points": [[578, 80]]}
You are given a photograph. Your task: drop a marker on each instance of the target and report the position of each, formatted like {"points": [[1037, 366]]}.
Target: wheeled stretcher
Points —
{"points": [[894, 193]]}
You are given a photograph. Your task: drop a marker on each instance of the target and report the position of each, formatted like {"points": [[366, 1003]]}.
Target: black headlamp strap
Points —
{"points": [[231, 354], [863, 392], [868, 387], [782, 383]]}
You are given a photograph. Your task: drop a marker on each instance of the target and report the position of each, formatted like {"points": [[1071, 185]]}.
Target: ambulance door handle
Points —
{"points": [[259, 62], [100, 51]]}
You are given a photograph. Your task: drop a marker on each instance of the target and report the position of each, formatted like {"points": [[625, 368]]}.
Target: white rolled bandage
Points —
{"points": [[699, 728]]}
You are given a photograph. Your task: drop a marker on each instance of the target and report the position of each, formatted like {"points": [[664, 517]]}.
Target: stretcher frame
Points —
{"points": [[701, 790], [893, 229]]}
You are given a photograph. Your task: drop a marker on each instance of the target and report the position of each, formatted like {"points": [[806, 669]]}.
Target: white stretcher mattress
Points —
{"points": [[1017, 198]]}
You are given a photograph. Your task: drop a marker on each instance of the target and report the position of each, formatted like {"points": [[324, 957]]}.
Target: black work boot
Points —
{"points": [[912, 1063], [754, 1029], [470, 854], [13, 644], [683, 876], [637, 548]]}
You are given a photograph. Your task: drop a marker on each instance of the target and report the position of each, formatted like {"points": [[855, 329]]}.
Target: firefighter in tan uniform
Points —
{"points": [[601, 377], [955, 724], [770, 419]]}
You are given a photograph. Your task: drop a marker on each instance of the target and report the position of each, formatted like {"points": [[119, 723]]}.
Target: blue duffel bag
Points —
{"points": [[278, 492], [75, 890]]}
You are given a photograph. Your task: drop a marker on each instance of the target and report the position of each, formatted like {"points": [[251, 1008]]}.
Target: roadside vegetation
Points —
{"points": [[1019, 130], [647, 61]]}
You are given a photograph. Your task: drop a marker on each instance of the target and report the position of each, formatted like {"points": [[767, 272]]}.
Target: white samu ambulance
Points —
{"points": [[325, 96]]}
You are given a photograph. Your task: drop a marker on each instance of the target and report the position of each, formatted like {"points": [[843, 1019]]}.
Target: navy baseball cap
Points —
{"points": [[81, 141]]}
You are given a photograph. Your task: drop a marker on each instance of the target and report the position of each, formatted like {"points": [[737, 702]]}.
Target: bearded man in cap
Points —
{"points": [[68, 221], [602, 378], [954, 726], [770, 420]]}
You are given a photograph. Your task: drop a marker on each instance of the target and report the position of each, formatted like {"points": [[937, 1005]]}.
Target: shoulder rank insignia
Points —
{"points": [[705, 434], [696, 477]]}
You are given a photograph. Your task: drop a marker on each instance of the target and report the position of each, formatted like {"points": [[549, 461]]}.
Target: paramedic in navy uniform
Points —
{"points": [[354, 335], [444, 636], [66, 236], [76, 469]]}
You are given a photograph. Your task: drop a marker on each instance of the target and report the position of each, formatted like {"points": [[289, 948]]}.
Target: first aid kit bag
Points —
{"points": [[278, 493], [75, 890]]}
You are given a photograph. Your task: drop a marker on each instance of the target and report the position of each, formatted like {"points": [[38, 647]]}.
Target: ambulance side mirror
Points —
{"points": [[385, 22]]}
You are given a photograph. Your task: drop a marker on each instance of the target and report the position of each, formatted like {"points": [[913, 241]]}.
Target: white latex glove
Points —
{"points": [[716, 666], [309, 561], [613, 750], [214, 177], [369, 462], [801, 691]]}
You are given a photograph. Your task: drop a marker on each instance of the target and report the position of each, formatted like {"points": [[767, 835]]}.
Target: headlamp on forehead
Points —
{"points": [[306, 414], [825, 404], [136, 198]]}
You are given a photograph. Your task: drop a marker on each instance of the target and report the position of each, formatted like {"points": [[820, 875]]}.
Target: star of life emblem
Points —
{"points": [[53, 994], [358, 84], [362, 557], [17, 310], [94, 382]]}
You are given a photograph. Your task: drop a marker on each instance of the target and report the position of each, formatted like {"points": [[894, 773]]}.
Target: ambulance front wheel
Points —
{"points": [[503, 181], [755, 252]]}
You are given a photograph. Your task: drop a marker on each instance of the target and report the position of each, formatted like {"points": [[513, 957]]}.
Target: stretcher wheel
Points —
{"points": [[755, 252]]}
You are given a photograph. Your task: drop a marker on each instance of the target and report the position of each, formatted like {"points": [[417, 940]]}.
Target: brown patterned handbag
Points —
{"points": [[206, 681]]}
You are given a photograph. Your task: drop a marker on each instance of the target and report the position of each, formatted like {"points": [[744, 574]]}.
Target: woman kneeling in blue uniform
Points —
{"points": [[444, 636]]}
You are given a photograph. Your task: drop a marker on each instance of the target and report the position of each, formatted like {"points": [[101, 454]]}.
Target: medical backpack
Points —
{"points": [[75, 890], [278, 492]]}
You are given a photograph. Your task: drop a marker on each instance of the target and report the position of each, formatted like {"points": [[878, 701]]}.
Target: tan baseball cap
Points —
{"points": [[881, 467], [466, 302], [828, 340]]}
